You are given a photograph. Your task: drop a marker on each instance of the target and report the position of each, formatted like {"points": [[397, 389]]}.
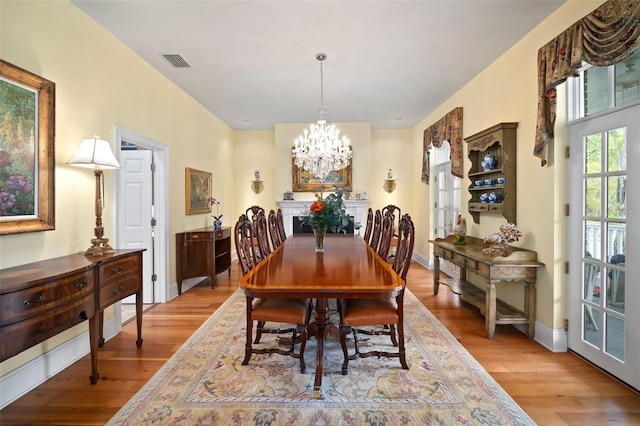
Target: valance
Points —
{"points": [[448, 128], [606, 36]]}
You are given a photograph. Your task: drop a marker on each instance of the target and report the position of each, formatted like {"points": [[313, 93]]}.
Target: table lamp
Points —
{"points": [[96, 154]]}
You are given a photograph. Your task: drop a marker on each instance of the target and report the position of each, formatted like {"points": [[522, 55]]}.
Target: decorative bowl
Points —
{"points": [[502, 180], [479, 182], [488, 182]]}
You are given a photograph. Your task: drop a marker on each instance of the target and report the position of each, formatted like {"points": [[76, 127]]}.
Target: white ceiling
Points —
{"points": [[252, 63]]}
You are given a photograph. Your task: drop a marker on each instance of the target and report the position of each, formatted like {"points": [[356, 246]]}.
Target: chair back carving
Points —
{"points": [[274, 232], [369, 227], [377, 228], [245, 249], [385, 236], [283, 234], [404, 249], [262, 234], [254, 210], [395, 212]]}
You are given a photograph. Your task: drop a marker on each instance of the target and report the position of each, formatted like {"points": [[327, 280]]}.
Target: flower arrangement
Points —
{"points": [[213, 202], [327, 213]]}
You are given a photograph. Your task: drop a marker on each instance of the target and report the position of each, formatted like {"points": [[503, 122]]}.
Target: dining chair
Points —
{"points": [[283, 234], [386, 233], [617, 286], [591, 281], [274, 232], [294, 312], [262, 235], [377, 228], [392, 209], [369, 227], [357, 313]]}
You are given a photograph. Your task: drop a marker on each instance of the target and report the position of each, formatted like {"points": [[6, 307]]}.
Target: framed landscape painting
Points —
{"points": [[304, 181], [197, 191], [27, 114]]}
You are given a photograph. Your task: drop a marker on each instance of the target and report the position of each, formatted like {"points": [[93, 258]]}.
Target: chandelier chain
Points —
{"points": [[320, 150]]}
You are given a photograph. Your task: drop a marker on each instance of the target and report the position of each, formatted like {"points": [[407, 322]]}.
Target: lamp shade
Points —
{"points": [[94, 152]]}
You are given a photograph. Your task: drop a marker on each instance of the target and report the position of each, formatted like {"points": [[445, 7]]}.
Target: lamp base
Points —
{"points": [[99, 247]]}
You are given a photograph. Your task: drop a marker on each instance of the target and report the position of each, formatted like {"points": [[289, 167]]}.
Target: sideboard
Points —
{"points": [[202, 252], [41, 299], [519, 265]]}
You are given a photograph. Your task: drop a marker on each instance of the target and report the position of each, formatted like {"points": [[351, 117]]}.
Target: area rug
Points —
{"points": [[204, 382]]}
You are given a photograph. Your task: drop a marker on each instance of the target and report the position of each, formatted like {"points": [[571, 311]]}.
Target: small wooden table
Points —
{"points": [[347, 269], [520, 265]]}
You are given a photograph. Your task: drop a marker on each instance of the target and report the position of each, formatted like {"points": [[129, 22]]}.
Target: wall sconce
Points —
{"points": [[256, 183], [389, 182], [96, 154]]}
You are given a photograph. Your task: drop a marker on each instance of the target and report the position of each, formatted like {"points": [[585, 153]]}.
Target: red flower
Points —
{"points": [[317, 207]]}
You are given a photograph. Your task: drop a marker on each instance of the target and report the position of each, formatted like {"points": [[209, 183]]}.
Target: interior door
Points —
{"points": [[603, 225], [137, 213]]}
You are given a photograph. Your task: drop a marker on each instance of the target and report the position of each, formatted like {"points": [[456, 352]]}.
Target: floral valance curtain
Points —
{"points": [[606, 36], [448, 128]]}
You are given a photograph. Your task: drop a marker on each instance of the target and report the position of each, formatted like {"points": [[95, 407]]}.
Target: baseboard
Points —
{"points": [[35, 372], [554, 339]]}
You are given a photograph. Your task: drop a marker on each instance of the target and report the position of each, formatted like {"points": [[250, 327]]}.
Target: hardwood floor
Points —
{"points": [[553, 388]]}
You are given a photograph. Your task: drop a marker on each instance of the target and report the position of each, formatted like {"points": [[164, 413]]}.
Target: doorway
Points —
{"points": [[142, 200], [603, 228]]}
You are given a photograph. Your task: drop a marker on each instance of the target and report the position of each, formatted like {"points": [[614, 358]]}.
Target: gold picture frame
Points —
{"points": [[304, 181], [32, 155], [197, 191]]}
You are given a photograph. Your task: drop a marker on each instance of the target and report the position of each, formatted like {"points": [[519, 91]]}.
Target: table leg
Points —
{"points": [[321, 321], [93, 345], [139, 317], [490, 319], [530, 308], [436, 274]]}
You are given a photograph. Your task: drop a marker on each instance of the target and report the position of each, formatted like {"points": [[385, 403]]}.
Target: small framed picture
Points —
{"points": [[197, 191]]}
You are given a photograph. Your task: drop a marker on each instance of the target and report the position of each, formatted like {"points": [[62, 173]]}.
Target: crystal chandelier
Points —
{"points": [[320, 149]]}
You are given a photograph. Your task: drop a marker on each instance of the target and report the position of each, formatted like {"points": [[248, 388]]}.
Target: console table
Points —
{"points": [[519, 266], [202, 252], [41, 299]]}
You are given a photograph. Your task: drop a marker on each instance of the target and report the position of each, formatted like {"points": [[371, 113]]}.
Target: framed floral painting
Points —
{"points": [[27, 167], [304, 181], [197, 191]]}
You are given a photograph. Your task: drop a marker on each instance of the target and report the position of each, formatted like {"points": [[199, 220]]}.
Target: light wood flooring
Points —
{"points": [[553, 388]]}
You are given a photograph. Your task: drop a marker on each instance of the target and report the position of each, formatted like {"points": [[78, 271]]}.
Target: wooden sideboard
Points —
{"points": [[41, 299], [202, 252], [519, 266]]}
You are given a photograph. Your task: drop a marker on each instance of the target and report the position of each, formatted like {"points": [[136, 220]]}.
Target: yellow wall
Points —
{"points": [[101, 83], [506, 91]]}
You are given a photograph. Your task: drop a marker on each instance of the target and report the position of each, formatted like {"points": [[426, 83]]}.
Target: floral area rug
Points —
{"points": [[204, 383]]}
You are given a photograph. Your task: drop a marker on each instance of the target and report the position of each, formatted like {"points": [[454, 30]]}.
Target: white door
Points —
{"points": [[604, 242], [137, 213]]}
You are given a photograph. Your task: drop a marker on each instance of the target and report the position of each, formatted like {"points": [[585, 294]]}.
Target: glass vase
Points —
{"points": [[319, 234]]}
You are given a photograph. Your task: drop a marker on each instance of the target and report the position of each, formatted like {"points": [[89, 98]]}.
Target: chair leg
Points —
{"points": [[259, 328], [344, 331], [247, 349], [302, 329], [392, 333], [401, 350]]}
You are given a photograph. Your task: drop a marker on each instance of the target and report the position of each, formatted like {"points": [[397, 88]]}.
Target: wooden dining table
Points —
{"points": [[347, 269]]}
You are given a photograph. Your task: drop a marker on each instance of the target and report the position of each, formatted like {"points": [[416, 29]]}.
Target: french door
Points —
{"points": [[603, 290]]}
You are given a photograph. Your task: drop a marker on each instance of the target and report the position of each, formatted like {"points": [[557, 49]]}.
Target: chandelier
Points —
{"points": [[320, 149]]}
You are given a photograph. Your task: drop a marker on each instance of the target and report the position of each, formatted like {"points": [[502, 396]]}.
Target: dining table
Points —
{"points": [[348, 268]]}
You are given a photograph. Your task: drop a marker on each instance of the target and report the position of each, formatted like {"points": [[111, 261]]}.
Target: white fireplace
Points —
{"points": [[292, 209]]}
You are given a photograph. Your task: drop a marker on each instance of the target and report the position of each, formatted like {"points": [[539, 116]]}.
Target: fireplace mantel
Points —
{"points": [[291, 209]]}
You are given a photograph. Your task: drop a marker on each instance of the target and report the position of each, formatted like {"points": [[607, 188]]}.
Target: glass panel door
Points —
{"points": [[604, 203]]}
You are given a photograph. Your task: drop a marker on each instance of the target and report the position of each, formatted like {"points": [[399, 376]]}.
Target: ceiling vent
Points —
{"points": [[177, 61]]}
